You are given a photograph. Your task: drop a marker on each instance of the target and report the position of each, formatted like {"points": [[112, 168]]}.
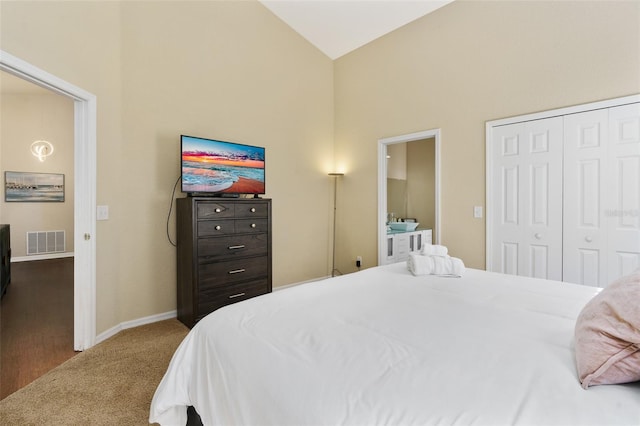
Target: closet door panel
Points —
{"points": [[527, 174], [622, 215], [543, 212], [589, 267], [507, 186], [584, 235]]}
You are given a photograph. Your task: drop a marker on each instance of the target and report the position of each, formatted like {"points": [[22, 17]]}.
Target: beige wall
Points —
{"points": [[228, 70], [25, 118], [421, 174], [396, 180], [455, 69], [397, 161]]}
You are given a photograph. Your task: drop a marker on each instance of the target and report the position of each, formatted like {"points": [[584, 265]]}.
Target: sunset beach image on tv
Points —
{"points": [[213, 166]]}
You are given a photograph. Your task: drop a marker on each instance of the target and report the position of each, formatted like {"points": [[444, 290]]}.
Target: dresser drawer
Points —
{"points": [[214, 210], [232, 246], [250, 209], [212, 228], [232, 271], [212, 299], [251, 225]]}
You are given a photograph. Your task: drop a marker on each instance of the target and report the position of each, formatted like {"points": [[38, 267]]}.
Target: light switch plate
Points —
{"points": [[102, 213], [477, 212]]}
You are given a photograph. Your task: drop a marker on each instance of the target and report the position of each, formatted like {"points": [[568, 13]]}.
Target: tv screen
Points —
{"points": [[217, 167]]}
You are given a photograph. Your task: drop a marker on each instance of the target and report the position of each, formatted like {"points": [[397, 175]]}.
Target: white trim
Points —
{"points": [[42, 257], [565, 111], [134, 323], [382, 184], [85, 117], [576, 109]]}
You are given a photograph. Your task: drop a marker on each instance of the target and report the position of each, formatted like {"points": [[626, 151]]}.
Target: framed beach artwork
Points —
{"points": [[33, 187]]}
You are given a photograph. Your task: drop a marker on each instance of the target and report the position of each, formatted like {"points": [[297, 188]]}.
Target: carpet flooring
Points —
{"points": [[110, 384]]}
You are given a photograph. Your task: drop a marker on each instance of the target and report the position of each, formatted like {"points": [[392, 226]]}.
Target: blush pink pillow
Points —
{"points": [[607, 335]]}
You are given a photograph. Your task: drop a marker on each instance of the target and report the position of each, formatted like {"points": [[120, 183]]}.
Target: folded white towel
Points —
{"points": [[434, 250], [435, 265]]}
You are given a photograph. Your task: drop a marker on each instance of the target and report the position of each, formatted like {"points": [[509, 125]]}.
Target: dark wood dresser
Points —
{"points": [[224, 253]]}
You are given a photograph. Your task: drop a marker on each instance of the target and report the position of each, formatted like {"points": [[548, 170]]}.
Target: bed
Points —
{"points": [[382, 346]]}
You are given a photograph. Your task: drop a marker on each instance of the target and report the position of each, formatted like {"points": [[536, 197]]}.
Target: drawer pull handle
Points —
{"points": [[253, 209], [236, 271], [218, 210], [253, 225], [218, 227], [236, 247], [236, 295]]}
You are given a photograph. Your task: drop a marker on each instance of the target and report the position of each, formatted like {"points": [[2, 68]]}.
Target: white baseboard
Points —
{"points": [[134, 323], [41, 257]]}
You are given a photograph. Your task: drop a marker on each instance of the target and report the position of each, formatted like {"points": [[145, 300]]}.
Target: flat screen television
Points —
{"points": [[214, 167]]}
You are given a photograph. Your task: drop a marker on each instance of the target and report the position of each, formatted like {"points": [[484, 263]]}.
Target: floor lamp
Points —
{"points": [[335, 193]]}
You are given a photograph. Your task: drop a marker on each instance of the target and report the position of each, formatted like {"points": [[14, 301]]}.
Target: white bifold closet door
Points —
{"points": [[566, 196], [527, 224], [601, 231]]}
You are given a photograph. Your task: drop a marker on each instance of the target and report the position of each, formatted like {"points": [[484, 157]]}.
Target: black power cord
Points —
{"points": [[173, 193]]}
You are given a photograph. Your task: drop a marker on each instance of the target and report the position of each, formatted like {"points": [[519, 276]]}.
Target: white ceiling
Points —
{"points": [[337, 27]]}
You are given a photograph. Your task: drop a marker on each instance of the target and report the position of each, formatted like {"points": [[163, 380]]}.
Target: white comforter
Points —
{"points": [[382, 346]]}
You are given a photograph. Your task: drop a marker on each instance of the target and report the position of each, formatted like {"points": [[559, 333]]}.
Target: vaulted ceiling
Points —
{"points": [[337, 27]]}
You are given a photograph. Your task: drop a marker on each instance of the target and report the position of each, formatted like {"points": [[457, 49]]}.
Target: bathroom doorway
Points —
{"points": [[425, 182]]}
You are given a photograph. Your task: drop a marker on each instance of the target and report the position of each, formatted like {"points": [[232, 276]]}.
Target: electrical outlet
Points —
{"points": [[358, 261]]}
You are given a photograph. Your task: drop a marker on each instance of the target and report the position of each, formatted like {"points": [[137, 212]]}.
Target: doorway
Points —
{"points": [[383, 147], [85, 118]]}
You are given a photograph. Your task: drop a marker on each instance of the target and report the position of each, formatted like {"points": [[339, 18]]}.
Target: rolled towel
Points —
{"points": [[434, 250], [440, 264], [420, 265], [435, 265], [457, 267]]}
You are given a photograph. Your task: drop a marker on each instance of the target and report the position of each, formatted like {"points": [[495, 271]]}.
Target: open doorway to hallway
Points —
{"points": [[37, 309], [85, 145]]}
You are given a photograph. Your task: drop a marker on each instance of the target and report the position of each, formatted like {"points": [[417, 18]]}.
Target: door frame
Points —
{"points": [[490, 125], [382, 184], [85, 130]]}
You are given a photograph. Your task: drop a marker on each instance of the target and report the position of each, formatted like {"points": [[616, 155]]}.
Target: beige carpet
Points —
{"points": [[109, 384]]}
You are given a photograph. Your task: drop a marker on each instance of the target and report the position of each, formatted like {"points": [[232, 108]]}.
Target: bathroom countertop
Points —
{"points": [[394, 231]]}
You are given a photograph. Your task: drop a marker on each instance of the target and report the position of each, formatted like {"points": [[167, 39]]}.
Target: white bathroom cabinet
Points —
{"points": [[401, 244]]}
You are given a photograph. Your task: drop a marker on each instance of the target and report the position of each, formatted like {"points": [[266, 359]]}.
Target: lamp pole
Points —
{"points": [[335, 205]]}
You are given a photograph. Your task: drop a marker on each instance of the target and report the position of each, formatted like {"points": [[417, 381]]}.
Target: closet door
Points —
{"points": [[601, 195], [623, 191], [585, 187], [527, 176]]}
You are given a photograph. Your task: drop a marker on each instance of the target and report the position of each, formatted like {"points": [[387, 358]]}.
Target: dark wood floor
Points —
{"points": [[36, 325]]}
